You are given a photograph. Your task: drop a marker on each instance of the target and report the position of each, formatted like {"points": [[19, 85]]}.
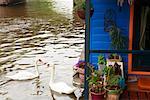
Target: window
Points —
{"points": [[141, 35]]}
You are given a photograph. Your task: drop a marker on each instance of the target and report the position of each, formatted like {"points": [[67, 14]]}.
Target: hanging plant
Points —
{"points": [[80, 9], [120, 2], [119, 41]]}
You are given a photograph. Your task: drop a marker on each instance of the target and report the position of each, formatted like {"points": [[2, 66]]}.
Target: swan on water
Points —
{"points": [[59, 87], [25, 75]]}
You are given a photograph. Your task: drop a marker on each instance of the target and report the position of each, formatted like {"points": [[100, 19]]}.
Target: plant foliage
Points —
{"points": [[101, 60], [96, 81], [119, 41]]}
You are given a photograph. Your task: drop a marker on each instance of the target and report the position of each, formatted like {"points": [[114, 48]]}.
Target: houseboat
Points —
{"points": [[8, 2], [122, 27]]}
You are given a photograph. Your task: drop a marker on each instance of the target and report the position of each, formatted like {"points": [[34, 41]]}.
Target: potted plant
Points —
{"points": [[114, 83], [80, 9], [97, 90], [107, 72], [113, 87], [80, 69], [114, 57], [101, 62]]}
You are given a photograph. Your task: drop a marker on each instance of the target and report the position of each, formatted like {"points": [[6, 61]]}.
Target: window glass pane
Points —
{"points": [[141, 35]]}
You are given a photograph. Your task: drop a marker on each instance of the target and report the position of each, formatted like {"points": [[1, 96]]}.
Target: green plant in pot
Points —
{"points": [[80, 69], [80, 9], [113, 87], [108, 71], [114, 57], [101, 62], [97, 90], [114, 83]]}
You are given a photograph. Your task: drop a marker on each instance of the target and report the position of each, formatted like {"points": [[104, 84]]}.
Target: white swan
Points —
{"points": [[25, 75], [59, 87]]}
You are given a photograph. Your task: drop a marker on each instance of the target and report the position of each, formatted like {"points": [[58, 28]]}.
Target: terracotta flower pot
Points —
{"points": [[113, 96], [81, 13], [98, 96]]}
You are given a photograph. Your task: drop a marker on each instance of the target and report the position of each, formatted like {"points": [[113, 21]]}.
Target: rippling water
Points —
{"points": [[38, 28], [24, 40]]}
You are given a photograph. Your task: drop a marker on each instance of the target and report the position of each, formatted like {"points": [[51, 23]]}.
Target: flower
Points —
{"points": [[80, 64]]}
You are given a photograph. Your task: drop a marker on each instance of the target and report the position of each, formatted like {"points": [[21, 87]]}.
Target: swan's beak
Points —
{"points": [[48, 65], [41, 62]]}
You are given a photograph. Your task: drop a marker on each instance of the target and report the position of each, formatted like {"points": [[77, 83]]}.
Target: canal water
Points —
{"points": [[38, 28]]}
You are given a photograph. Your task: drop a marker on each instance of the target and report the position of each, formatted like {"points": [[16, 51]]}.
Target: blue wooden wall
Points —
{"points": [[99, 39]]}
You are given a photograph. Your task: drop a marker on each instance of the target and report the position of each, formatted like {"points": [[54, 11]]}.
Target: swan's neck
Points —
{"points": [[52, 75], [36, 69]]}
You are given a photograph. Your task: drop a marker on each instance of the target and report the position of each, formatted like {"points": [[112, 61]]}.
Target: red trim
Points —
{"points": [[130, 71], [130, 38]]}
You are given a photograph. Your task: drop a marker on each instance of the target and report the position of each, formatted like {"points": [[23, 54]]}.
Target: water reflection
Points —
{"points": [[18, 10], [39, 8]]}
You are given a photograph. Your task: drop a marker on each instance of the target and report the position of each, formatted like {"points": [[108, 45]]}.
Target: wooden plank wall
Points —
{"points": [[99, 39]]}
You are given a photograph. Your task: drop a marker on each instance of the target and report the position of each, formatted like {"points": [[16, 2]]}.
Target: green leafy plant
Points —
{"points": [[96, 82], [113, 81], [114, 56], [113, 86], [84, 5], [117, 38], [108, 71], [80, 5], [101, 60], [111, 56]]}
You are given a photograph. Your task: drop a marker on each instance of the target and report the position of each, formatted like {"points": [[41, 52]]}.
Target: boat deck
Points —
{"points": [[132, 95], [132, 92]]}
